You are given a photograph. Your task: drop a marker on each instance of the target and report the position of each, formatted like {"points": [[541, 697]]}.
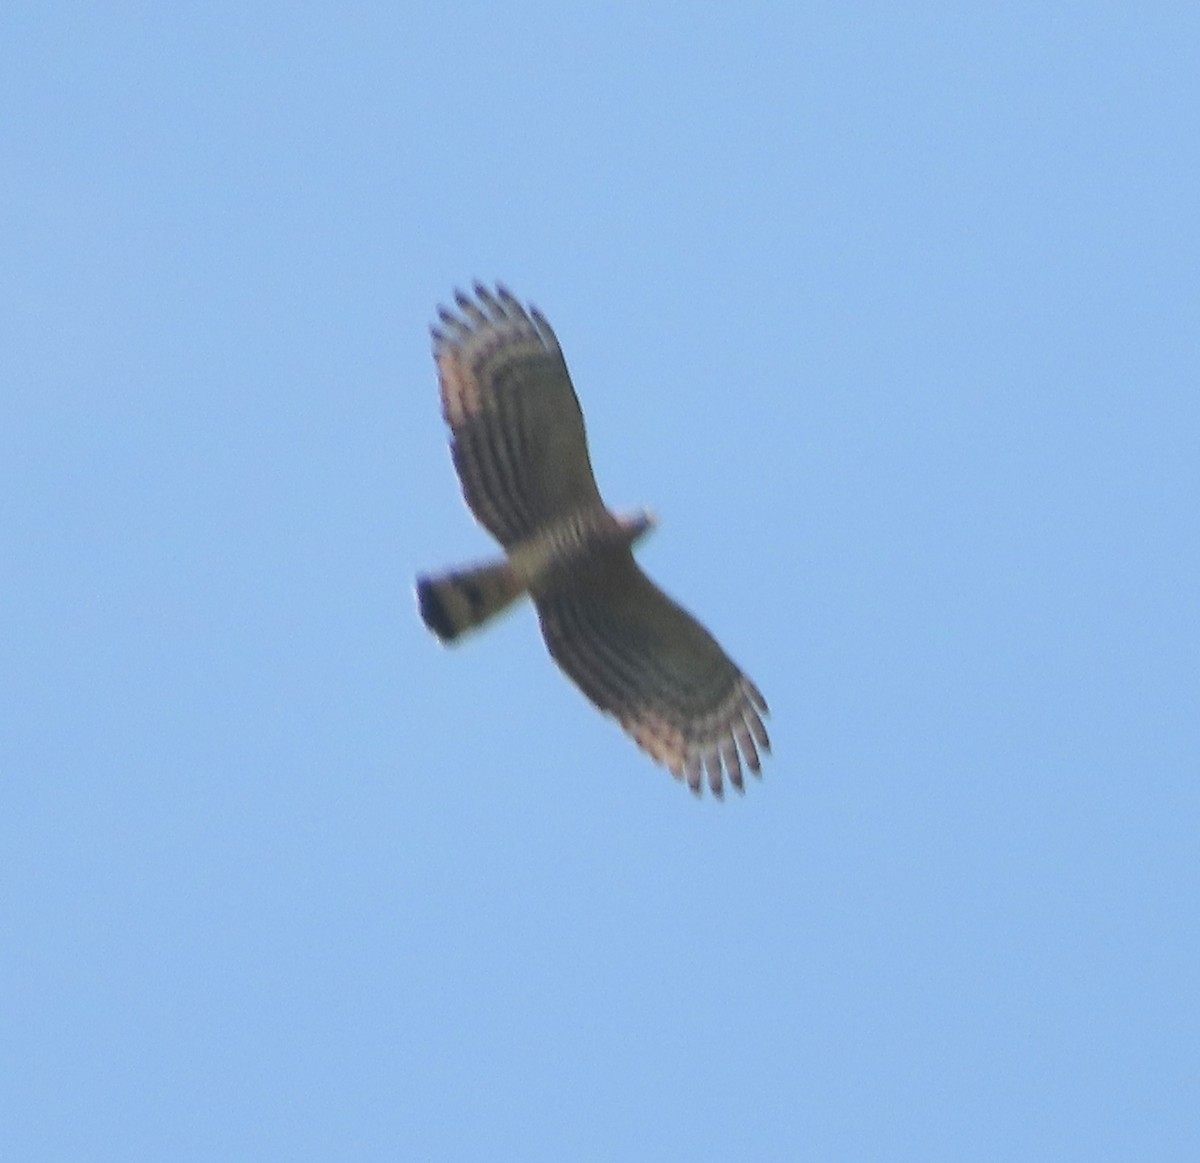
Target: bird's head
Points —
{"points": [[637, 525]]}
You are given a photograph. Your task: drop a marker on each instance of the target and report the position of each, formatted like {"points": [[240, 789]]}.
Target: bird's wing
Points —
{"points": [[517, 432], [645, 660]]}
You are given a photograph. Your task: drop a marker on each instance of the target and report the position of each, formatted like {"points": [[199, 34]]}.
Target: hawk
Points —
{"points": [[519, 447]]}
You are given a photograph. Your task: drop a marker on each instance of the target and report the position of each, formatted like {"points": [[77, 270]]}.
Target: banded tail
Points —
{"points": [[466, 598]]}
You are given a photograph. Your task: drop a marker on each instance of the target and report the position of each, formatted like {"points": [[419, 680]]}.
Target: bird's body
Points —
{"points": [[521, 453]]}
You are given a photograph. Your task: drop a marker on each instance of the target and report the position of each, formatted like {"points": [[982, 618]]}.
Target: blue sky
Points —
{"points": [[890, 312]]}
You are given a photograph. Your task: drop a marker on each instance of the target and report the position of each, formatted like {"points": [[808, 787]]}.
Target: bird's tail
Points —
{"points": [[457, 602]]}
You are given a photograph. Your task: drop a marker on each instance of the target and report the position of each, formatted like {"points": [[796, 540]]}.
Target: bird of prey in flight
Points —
{"points": [[518, 443]]}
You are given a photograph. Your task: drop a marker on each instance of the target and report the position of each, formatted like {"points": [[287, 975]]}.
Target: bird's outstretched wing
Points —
{"points": [[645, 660], [517, 430]]}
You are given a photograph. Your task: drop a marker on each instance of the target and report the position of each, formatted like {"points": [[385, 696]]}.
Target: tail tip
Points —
{"points": [[433, 611]]}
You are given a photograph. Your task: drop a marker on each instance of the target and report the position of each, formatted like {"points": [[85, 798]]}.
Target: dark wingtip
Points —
{"points": [[433, 612]]}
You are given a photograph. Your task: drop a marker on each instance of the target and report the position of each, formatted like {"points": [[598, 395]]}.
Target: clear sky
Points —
{"points": [[891, 312]]}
